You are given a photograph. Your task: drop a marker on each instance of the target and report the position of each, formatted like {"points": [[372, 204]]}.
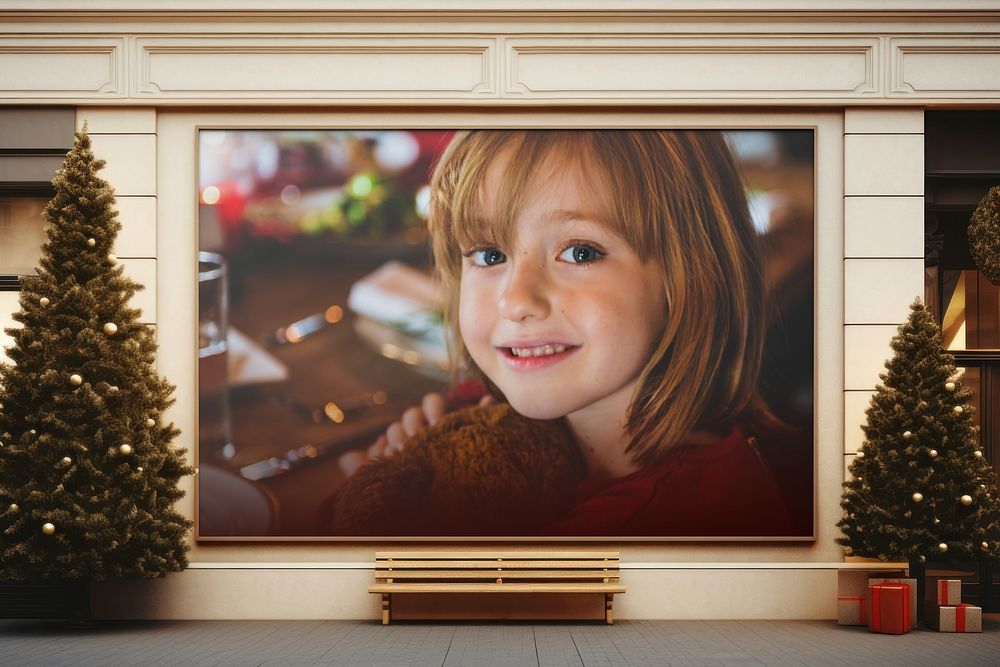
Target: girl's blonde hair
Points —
{"points": [[677, 198]]}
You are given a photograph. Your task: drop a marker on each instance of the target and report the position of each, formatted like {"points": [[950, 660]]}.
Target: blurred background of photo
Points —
{"points": [[328, 324]]}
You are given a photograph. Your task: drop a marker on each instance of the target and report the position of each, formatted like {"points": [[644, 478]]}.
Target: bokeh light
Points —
{"points": [[210, 195]]}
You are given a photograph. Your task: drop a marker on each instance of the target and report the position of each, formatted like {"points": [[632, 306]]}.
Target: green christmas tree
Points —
{"points": [[984, 236], [88, 476], [921, 488]]}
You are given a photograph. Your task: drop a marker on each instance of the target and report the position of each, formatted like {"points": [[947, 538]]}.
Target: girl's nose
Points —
{"points": [[524, 295]]}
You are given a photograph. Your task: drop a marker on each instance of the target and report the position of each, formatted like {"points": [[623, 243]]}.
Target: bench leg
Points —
{"points": [[386, 607], [608, 602]]}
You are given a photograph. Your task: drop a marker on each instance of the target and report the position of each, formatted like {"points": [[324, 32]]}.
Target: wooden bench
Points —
{"points": [[496, 572]]}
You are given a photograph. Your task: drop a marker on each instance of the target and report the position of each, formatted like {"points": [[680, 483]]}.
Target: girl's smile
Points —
{"points": [[529, 356]]}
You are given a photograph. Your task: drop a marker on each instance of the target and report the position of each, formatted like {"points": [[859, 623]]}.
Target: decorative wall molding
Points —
{"points": [[228, 68], [62, 68], [436, 10], [668, 68], [955, 66], [499, 61]]}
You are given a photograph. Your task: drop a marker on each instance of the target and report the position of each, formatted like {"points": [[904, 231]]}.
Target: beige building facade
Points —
{"points": [[861, 73]]}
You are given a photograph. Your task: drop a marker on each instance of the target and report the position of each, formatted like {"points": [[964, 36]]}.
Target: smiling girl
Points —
{"points": [[611, 280]]}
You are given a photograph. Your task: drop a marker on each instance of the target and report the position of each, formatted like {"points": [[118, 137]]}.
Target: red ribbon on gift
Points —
{"points": [[960, 616], [943, 593], [876, 592]]}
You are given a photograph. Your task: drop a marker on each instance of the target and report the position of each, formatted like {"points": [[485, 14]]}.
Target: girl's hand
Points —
{"points": [[413, 420]]}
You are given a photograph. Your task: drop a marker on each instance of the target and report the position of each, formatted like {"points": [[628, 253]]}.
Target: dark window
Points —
{"points": [[33, 143], [962, 162]]}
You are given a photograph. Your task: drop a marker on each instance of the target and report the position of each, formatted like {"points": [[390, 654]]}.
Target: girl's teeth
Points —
{"points": [[541, 351]]}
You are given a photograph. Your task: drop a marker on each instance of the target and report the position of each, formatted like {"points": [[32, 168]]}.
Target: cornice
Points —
{"points": [[488, 15]]}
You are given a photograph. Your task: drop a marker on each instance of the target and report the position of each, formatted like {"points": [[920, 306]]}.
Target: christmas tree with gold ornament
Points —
{"points": [[921, 488], [88, 472]]}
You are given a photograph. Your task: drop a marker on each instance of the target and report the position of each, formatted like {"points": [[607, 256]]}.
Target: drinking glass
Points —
{"points": [[214, 431]]}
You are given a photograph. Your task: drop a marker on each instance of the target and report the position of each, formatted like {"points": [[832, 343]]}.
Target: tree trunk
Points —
{"points": [[78, 612], [918, 571]]}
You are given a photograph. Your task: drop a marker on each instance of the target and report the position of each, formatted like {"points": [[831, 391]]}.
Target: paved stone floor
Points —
{"points": [[366, 643]]}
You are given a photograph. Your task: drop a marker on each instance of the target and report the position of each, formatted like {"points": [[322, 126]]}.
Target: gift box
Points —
{"points": [[949, 592], [851, 610], [888, 608], [912, 583], [954, 618]]}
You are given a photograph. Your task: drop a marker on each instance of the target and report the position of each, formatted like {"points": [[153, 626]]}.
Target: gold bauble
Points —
{"points": [[860, 454], [150, 423], [48, 528], [112, 259], [91, 243], [44, 301], [139, 469], [966, 500], [14, 507], [125, 450], [32, 431], [66, 460], [982, 486], [949, 386], [907, 435], [936, 521], [958, 409], [942, 547], [985, 545], [933, 453], [75, 379], [113, 389], [978, 454], [111, 328], [918, 497]]}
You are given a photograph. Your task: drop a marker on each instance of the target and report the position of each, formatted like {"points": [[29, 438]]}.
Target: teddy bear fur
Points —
{"points": [[479, 471]]}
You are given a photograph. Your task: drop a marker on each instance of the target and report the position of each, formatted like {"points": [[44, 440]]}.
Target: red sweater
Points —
{"points": [[710, 490]]}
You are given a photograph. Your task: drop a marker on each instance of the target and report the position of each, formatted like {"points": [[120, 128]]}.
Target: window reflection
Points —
{"points": [[22, 231], [970, 311]]}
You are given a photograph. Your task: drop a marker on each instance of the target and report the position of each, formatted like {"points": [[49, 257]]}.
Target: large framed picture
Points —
{"points": [[495, 334]]}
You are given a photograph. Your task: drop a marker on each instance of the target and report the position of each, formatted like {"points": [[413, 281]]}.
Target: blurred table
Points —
{"points": [[334, 364]]}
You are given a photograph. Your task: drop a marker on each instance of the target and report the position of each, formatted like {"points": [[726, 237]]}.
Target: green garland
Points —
{"points": [[984, 236]]}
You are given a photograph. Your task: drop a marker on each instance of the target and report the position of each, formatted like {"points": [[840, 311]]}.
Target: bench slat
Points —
{"points": [[497, 588], [493, 564], [490, 574], [493, 555]]}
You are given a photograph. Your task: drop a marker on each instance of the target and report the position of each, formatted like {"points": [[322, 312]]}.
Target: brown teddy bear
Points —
{"points": [[479, 471]]}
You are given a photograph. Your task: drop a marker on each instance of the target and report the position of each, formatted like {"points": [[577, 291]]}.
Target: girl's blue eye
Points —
{"points": [[580, 254], [488, 257]]}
